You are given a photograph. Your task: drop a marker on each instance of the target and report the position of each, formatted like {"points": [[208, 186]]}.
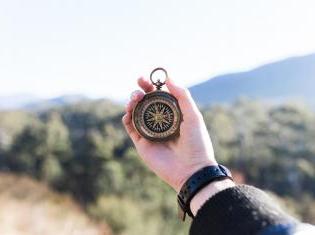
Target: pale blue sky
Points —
{"points": [[100, 47]]}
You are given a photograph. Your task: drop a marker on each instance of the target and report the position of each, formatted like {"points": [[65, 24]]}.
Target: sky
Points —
{"points": [[99, 47]]}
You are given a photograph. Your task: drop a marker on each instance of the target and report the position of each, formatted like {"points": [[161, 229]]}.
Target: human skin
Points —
{"points": [[176, 160]]}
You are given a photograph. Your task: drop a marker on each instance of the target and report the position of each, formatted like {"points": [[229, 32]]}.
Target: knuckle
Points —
{"points": [[184, 92], [198, 116], [132, 95], [124, 119]]}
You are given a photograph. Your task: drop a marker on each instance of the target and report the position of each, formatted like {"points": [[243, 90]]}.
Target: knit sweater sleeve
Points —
{"points": [[243, 210]]}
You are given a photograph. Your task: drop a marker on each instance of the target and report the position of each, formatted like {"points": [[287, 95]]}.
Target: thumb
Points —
{"points": [[186, 103]]}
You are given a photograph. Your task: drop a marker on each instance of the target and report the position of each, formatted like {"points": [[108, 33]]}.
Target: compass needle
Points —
{"points": [[151, 119]]}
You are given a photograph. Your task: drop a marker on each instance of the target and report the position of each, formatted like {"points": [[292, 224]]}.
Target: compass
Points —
{"points": [[157, 116]]}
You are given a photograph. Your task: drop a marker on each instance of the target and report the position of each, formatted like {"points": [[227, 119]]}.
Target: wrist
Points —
{"points": [[189, 172], [196, 183], [207, 192]]}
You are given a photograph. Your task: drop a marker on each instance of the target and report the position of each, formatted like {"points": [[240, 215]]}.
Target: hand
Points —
{"points": [[176, 160]]}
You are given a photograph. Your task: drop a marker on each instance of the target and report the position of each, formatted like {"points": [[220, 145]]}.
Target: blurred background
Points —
{"points": [[67, 68]]}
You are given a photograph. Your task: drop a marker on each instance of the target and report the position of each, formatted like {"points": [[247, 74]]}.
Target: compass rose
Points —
{"points": [[158, 117]]}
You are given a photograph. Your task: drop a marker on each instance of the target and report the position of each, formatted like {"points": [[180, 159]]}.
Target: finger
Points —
{"points": [[135, 97], [145, 85], [126, 120], [185, 101]]}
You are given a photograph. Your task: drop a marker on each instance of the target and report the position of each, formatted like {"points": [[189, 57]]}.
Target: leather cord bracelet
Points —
{"points": [[195, 183]]}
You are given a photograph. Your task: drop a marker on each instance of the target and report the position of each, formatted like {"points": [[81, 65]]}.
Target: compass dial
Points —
{"points": [[157, 116]]}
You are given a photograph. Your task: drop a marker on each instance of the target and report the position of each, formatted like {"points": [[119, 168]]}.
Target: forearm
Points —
{"points": [[236, 210], [207, 192]]}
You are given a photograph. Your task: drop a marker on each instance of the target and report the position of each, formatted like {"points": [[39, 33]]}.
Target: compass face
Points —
{"points": [[157, 117]]}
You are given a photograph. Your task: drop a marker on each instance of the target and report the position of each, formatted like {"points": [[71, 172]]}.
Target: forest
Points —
{"points": [[83, 151]]}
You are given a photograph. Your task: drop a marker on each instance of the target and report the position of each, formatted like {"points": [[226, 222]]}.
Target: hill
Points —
{"points": [[55, 102], [29, 102], [16, 101], [290, 79], [30, 207]]}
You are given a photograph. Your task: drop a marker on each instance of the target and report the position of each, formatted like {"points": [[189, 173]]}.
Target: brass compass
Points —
{"points": [[157, 116]]}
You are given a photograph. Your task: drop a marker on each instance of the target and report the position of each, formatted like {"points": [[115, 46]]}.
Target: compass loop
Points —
{"points": [[158, 83]]}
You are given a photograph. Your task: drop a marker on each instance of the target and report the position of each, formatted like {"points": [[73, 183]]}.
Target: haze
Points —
{"points": [[99, 48]]}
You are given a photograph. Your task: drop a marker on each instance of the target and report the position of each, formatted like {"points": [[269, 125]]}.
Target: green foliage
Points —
{"points": [[83, 150]]}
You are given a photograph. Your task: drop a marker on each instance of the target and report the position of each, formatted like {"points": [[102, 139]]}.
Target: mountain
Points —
{"points": [[55, 102], [29, 102], [289, 79], [17, 101]]}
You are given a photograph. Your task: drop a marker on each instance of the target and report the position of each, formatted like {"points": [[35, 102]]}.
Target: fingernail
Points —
{"points": [[133, 95], [141, 79]]}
